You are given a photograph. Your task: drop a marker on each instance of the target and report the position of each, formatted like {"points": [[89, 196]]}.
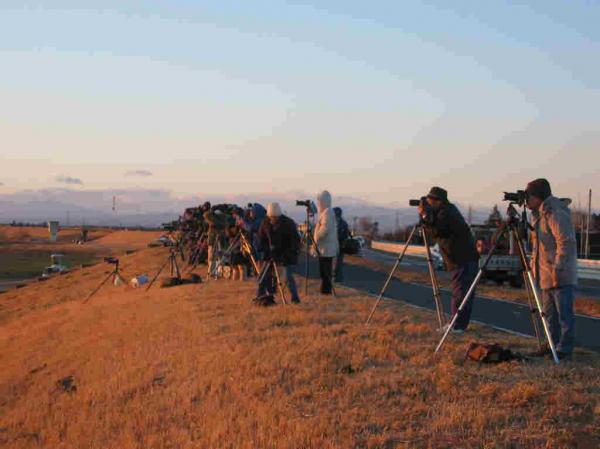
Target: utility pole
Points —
{"points": [[589, 219], [470, 219]]}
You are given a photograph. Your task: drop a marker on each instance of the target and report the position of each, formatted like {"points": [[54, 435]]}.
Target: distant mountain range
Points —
{"points": [[154, 207]]}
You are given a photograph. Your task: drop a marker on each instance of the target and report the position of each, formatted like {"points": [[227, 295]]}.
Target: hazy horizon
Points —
{"points": [[377, 101]]}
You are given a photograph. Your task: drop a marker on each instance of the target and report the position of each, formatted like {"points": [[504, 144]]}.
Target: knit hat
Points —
{"points": [[540, 188], [437, 193], [273, 210]]}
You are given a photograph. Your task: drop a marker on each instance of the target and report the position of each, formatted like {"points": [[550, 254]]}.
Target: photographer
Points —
{"points": [[554, 261], [217, 222], [343, 234], [279, 242], [326, 238], [450, 230]]}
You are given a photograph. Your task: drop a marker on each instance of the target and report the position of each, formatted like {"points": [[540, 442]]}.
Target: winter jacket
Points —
{"points": [[279, 241], [554, 255], [325, 234], [453, 235], [343, 231], [216, 225]]}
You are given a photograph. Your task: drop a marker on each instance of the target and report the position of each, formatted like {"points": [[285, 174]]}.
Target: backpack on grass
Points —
{"points": [[491, 353]]}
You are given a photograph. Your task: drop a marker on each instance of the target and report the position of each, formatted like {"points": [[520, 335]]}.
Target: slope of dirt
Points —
{"points": [[196, 366]]}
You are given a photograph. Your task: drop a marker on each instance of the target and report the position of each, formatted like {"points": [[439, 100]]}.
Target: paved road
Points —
{"points": [[501, 314], [586, 287]]}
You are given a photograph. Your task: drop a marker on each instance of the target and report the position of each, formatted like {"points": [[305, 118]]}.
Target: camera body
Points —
{"points": [[416, 203], [519, 197], [112, 260], [171, 226], [309, 204]]}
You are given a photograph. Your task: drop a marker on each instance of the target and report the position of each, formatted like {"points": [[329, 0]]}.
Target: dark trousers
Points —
{"points": [[326, 273], [462, 278], [339, 267], [269, 281]]}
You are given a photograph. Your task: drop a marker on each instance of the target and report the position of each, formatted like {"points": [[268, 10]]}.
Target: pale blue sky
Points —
{"points": [[378, 100]]}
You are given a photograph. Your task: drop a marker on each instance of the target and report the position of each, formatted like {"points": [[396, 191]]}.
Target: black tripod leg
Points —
{"points": [[439, 307], [467, 297], [113, 273], [391, 275], [158, 273]]}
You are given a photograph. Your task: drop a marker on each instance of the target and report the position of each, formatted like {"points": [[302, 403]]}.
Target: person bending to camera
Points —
{"points": [[452, 233], [279, 242], [326, 238], [554, 262]]}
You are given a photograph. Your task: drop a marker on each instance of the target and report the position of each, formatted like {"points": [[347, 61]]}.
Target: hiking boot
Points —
{"points": [[296, 300]]}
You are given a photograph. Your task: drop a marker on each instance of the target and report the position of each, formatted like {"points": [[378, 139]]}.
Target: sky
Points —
{"points": [[377, 100]]}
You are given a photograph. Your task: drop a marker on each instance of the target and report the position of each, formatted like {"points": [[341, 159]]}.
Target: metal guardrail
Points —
{"points": [[587, 269]]}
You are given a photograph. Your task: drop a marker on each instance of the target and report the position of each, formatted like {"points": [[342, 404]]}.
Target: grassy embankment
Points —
{"points": [[196, 366]]}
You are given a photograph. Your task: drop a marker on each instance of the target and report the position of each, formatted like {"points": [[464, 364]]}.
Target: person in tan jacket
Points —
{"points": [[554, 261]]}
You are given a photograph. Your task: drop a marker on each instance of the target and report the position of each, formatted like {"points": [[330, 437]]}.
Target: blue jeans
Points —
{"points": [[269, 282], [462, 278], [557, 304]]}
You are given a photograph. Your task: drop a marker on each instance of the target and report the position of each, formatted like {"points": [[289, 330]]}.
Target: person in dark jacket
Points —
{"points": [[457, 245], [279, 242], [343, 232]]}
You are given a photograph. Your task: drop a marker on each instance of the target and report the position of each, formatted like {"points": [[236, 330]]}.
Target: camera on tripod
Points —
{"points": [[171, 227], [519, 197], [112, 260], [310, 206], [416, 203]]}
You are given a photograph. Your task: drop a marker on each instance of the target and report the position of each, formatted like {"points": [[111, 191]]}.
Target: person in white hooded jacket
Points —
{"points": [[326, 238]]}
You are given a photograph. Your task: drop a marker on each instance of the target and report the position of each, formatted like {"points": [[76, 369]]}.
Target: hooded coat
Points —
{"points": [[554, 255], [326, 235]]}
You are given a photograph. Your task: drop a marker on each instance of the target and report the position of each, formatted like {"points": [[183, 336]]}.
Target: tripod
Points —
{"points": [[174, 268], [432, 274], [512, 225], [195, 254], [309, 241], [247, 248], [267, 267], [114, 274]]}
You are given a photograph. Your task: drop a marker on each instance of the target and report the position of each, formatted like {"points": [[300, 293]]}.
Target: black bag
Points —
{"points": [[264, 300], [490, 353]]}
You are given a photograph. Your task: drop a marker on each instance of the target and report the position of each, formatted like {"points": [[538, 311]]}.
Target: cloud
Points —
{"points": [[142, 173], [1, 183], [68, 180]]}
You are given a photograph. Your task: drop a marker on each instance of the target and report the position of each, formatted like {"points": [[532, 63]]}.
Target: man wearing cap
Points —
{"points": [[280, 242], [453, 235], [554, 261]]}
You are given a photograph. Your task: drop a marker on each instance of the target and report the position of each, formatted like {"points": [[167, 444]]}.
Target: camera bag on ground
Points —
{"points": [[491, 353], [264, 300]]}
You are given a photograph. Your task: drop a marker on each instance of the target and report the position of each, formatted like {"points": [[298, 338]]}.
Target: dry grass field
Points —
{"points": [[25, 252], [196, 366]]}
